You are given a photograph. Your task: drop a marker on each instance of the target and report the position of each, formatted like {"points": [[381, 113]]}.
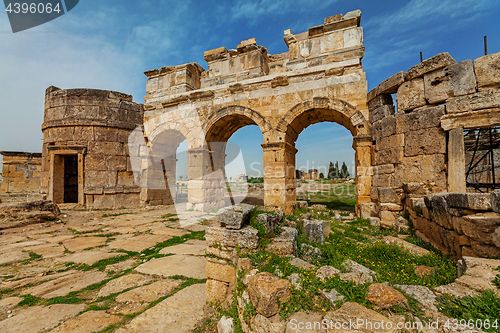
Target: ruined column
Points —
{"points": [[205, 186], [279, 173], [456, 161]]}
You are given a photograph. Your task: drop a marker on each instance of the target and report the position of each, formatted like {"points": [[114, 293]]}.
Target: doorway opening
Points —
{"points": [[70, 179]]}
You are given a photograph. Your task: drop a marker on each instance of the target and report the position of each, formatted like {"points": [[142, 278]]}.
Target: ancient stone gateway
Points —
{"points": [[319, 79]]}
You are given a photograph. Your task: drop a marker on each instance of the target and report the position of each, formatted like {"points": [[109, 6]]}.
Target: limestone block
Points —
{"points": [[245, 237], [417, 120], [475, 201], [425, 142], [265, 290], [389, 156], [495, 201], [388, 195], [485, 251], [381, 112], [234, 217], [481, 100], [269, 221], [384, 296], [383, 169], [331, 19], [383, 180], [353, 37], [100, 178], [428, 65], [342, 24], [428, 168], [391, 207], [216, 290], [391, 85], [380, 100], [487, 71], [389, 142], [384, 128], [223, 273], [438, 209], [472, 119], [314, 230], [411, 95], [454, 80], [367, 209]]}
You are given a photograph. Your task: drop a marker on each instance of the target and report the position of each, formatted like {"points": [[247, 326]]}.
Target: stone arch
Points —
{"points": [[237, 117], [324, 109], [321, 109]]}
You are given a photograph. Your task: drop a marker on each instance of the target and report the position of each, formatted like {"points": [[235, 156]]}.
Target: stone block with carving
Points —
{"points": [[314, 230]]}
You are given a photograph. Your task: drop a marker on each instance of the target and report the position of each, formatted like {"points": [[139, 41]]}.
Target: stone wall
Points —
{"points": [[459, 224], [423, 141], [20, 172], [87, 131]]}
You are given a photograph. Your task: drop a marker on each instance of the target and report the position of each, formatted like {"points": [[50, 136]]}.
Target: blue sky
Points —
{"points": [[108, 44]]}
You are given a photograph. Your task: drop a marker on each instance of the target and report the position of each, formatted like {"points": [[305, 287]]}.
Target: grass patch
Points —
{"points": [[113, 215], [70, 298], [166, 216], [484, 308], [29, 300]]}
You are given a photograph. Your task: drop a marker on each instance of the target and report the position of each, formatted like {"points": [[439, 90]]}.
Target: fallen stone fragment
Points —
{"points": [[332, 296], [225, 325], [265, 290], [326, 272], [369, 320], [234, 217], [384, 296], [297, 262], [425, 272], [422, 294]]}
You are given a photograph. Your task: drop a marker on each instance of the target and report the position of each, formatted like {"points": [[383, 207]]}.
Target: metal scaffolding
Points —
{"points": [[482, 143]]}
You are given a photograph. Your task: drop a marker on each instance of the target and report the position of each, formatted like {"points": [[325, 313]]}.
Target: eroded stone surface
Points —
{"points": [[64, 285], [81, 243], [189, 266], [191, 247], [178, 313], [122, 283], [90, 321], [39, 318]]}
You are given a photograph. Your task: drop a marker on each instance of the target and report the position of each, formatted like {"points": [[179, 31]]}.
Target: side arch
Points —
{"points": [[226, 121]]}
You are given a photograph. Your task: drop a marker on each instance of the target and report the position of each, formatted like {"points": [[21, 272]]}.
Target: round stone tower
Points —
{"points": [[85, 156]]}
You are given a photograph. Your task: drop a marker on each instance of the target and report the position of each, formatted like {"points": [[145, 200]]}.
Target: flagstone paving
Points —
{"points": [[190, 266], [102, 265]]}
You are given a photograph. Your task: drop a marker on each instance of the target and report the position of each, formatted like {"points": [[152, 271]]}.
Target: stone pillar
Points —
{"points": [[364, 171], [279, 173], [456, 161], [205, 185]]}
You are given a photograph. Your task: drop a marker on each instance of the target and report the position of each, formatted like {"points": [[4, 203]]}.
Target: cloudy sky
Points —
{"points": [[108, 44]]}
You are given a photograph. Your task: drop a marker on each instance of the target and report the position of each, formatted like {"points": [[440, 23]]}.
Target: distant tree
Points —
{"points": [[321, 175], [331, 170], [180, 177], [344, 172]]}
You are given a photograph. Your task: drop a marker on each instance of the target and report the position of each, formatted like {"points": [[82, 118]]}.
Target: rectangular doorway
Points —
{"points": [[70, 179]]}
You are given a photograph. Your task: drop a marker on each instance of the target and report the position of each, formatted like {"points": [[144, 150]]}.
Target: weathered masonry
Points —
{"points": [[319, 79], [85, 148], [420, 150], [20, 172]]}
